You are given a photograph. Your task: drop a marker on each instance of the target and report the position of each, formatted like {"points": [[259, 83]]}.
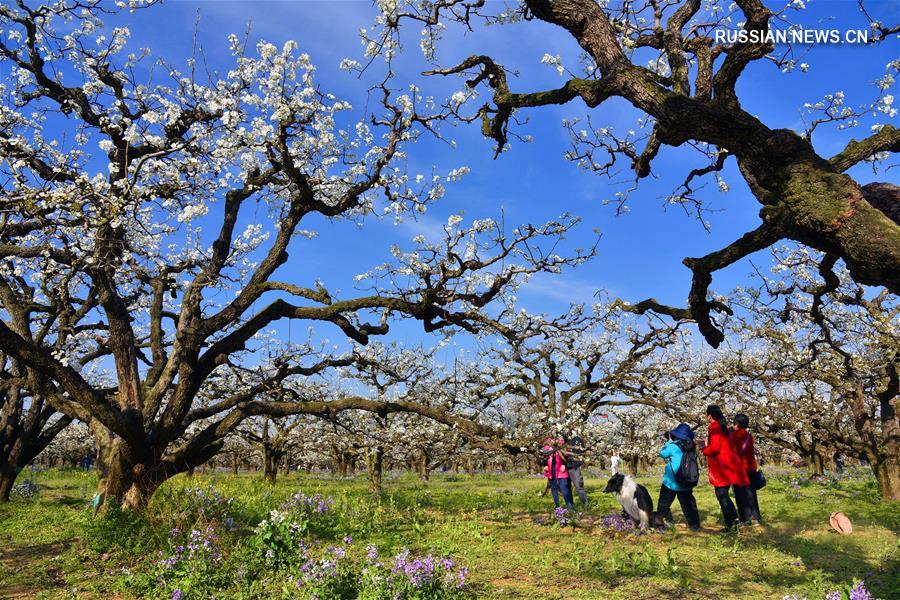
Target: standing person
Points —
{"points": [[556, 473], [744, 442], [614, 463], [725, 468], [838, 462], [574, 462], [679, 441]]}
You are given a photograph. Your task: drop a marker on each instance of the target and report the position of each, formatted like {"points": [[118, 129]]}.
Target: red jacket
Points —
{"points": [[744, 443], [725, 466]]}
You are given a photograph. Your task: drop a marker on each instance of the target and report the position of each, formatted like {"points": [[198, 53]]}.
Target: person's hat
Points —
{"points": [[682, 432]]}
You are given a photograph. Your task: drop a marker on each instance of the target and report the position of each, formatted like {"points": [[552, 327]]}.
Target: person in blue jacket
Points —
{"points": [[678, 441]]}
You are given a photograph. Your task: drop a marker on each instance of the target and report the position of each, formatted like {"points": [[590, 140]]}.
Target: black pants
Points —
{"points": [[687, 502], [754, 504], [729, 513], [743, 495]]}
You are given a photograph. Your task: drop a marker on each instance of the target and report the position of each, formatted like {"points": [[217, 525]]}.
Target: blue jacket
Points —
{"points": [[672, 453]]}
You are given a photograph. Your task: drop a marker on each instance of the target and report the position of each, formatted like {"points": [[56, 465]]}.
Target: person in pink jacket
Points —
{"points": [[556, 472]]}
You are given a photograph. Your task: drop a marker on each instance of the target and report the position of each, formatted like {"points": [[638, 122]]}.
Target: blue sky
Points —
{"points": [[640, 253]]}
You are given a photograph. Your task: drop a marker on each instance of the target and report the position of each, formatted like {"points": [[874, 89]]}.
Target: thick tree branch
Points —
{"points": [[886, 140]]}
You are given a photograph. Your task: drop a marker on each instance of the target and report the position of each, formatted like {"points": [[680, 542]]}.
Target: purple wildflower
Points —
{"points": [[461, 577], [617, 523], [859, 592]]}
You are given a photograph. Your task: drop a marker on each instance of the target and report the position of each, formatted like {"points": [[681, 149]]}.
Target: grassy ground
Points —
{"points": [[53, 547]]}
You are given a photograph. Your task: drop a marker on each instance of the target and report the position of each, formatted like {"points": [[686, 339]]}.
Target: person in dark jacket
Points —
{"points": [[679, 440], [725, 468], [574, 462], [744, 442]]}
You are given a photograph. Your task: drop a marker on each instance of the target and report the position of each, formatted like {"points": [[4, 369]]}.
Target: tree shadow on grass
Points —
{"points": [[72, 502], [25, 553], [831, 557]]}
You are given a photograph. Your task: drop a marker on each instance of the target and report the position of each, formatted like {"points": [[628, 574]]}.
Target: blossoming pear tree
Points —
{"points": [[203, 185], [568, 368], [39, 308], [821, 357], [71, 446], [636, 435], [687, 95], [812, 360]]}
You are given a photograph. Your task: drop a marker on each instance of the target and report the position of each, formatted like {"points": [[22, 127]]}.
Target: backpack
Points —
{"points": [[688, 473]]}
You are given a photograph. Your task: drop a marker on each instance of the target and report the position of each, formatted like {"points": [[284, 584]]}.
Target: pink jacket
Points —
{"points": [[556, 467]]}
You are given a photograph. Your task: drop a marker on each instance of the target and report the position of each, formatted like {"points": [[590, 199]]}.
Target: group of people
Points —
{"points": [[731, 462], [564, 460]]}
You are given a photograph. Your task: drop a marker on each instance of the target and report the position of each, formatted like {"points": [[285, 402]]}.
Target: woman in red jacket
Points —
{"points": [[725, 467], [744, 442]]}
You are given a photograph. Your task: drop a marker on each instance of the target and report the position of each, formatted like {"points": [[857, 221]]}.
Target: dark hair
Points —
{"points": [[716, 413], [742, 421]]}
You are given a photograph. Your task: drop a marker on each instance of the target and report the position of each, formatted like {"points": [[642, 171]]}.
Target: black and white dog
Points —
{"points": [[634, 498]]}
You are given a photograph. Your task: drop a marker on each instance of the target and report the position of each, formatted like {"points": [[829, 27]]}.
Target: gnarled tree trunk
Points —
{"points": [[271, 459], [125, 479], [633, 462], [887, 472], [375, 468], [8, 475], [423, 466], [815, 462]]}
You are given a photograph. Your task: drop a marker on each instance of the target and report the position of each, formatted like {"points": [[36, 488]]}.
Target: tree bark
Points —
{"points": [[270, 464], [375, 467], [633, 465], [423, 466], [887, 472], [124, 479], [815, 462], [8, 476], [10, 465]]}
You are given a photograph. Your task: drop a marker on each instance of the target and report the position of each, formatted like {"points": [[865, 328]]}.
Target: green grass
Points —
{"points": [[53, 547]]}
